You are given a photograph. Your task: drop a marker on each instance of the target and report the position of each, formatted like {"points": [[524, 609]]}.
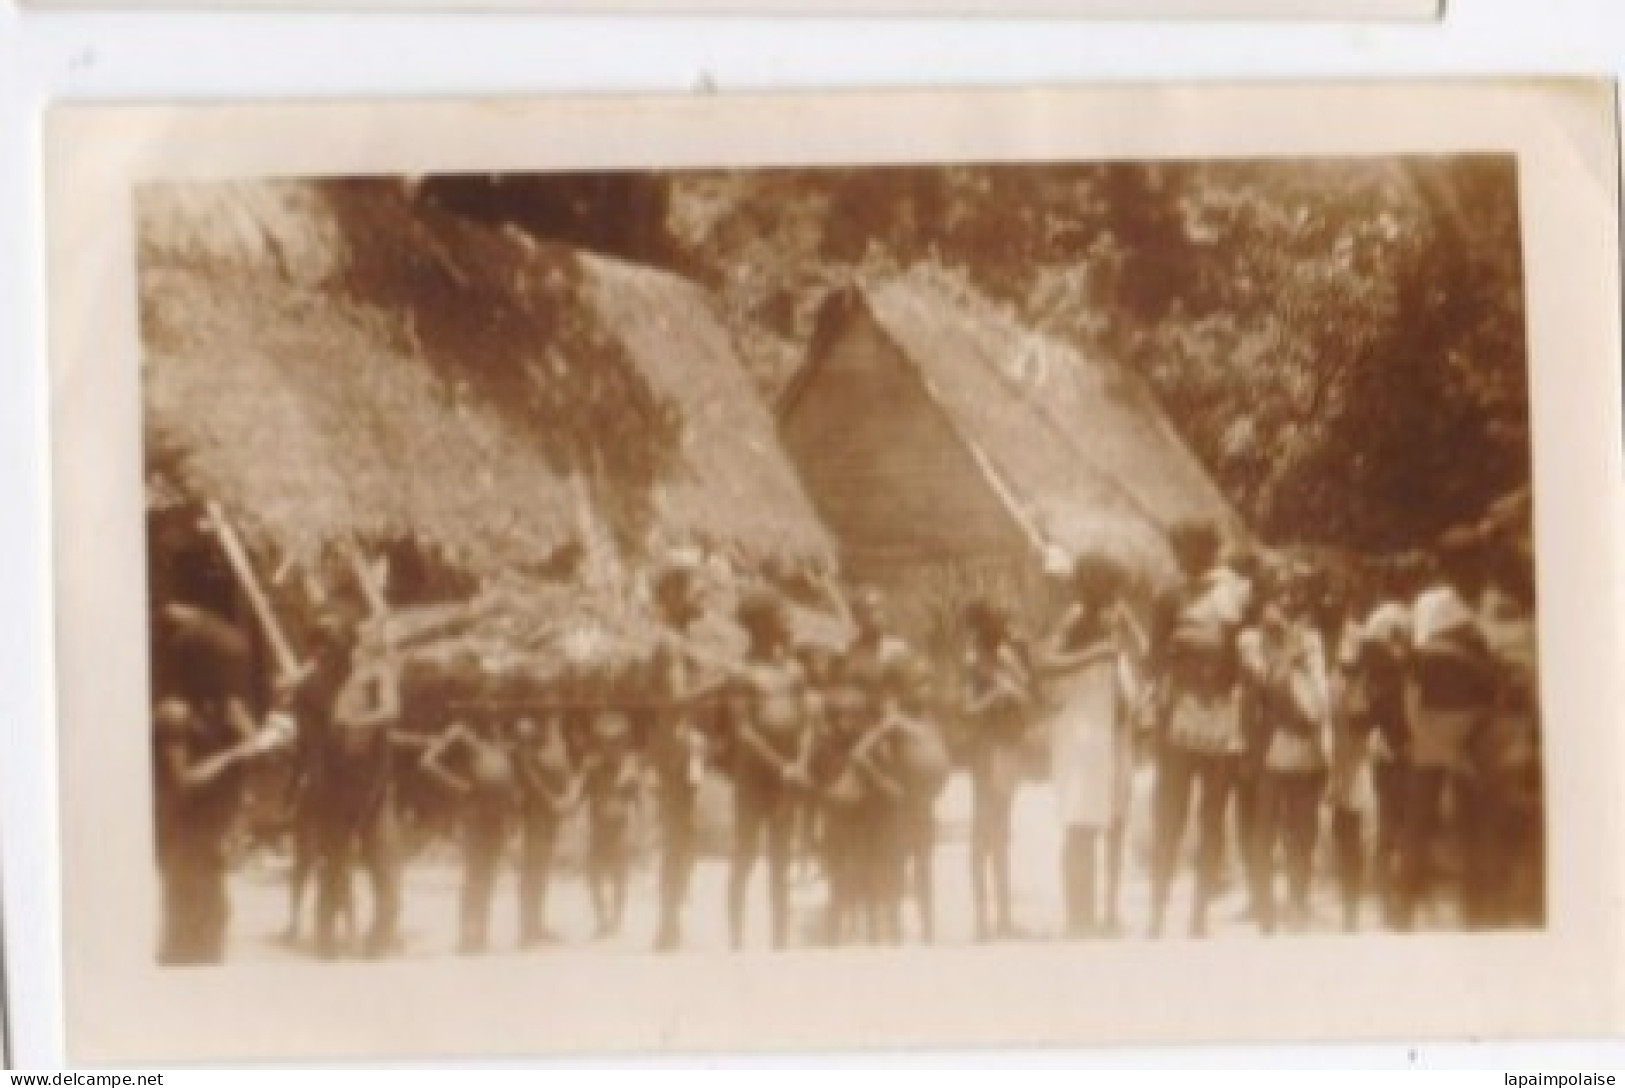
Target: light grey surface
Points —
{"points": [[1087, 9]]}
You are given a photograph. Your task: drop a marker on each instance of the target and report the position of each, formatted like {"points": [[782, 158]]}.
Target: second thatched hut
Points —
{"points": [[950, 449]]}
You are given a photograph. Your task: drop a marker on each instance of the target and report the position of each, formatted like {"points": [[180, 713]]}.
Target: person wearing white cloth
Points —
{"points": [[1085, 668]]}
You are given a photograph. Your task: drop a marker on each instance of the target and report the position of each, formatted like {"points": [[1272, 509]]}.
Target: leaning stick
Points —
{"points": [[237, 556], [376, 604], [1129, 626], [836, 598]]}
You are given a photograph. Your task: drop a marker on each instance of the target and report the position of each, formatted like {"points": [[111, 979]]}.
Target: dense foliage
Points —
{"points": [[1341, 342]]}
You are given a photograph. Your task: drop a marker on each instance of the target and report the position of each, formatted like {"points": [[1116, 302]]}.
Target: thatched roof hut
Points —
{"points": [[731, 486], [340, 362], [336, 362], [936, 434]]}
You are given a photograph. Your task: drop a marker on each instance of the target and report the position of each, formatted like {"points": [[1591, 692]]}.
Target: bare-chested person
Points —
{"points": [[312, 703], [612, 783], [769, 763], [677, 747], [845, 795], [203, 734], [549, 787], [911, 766], [478, 763], [355, 795]]}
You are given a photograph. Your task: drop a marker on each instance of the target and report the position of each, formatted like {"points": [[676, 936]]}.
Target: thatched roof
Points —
{"points": [[732, 485], [1076, 446], [336, 361]]}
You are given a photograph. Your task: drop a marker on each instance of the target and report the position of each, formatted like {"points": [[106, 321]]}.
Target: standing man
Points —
{"points": [[488, 787], [203, 734], [1255, 728], [770, 763], [1453, 701], [677, 748], [312, 703], [548, 789], [997, 699], [356, 798], [1199, 739], [922, 769], [1385, 646]]}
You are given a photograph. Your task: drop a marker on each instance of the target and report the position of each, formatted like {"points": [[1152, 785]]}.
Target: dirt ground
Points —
{"points": [[430, 924]]}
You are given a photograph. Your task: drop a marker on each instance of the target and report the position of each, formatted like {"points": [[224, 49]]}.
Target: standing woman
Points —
{"points": [[1451, 701], [844, 805], [1385, 639], [1084, 668], [879, 863], [997, 700]]}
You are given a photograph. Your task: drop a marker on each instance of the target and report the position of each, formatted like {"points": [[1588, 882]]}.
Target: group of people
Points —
{"points": [[1393, 705], [1271, 699]]}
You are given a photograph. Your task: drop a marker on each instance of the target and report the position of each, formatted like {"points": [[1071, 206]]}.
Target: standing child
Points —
{"points": [[488, 783], [613, 789], [877, 838], [842, 795], [807, 830], [997, 700], [922, 769], [548, 789], [1513, 879]]}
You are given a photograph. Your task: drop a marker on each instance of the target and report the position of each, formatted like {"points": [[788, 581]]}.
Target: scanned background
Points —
{"points": [[1568, 187]]}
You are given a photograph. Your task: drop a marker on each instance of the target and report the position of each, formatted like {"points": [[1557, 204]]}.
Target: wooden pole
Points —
{"points": [[370, 589], [287, 662]]}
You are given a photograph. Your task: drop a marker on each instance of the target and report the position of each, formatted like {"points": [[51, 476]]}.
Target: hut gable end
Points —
{"points": [[338, 362], [730, 482], [929, 423], [887, 468]]}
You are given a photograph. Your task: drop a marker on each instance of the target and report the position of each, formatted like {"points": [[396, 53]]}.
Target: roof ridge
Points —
{"points": [[995, 476], [1047, 419]]}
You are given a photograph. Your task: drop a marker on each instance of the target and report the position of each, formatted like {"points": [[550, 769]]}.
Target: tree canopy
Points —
{"points": [[1340, 341]]}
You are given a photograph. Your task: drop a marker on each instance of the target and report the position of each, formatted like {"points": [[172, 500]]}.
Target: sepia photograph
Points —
{"points": [[580, 571], [915, 554]]}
